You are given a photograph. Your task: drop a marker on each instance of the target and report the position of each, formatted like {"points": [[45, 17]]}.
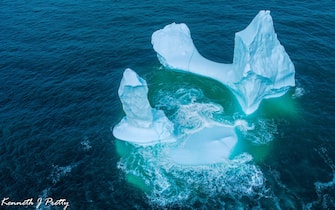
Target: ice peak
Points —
{"points": [[142, 124], [261, 24], [132, 79]]}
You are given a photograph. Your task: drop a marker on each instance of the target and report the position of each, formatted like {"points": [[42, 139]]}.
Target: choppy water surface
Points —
{"points": [[60, 67]]}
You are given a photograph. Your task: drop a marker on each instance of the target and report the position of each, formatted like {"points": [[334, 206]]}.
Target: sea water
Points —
{"points": [[61, 63]]}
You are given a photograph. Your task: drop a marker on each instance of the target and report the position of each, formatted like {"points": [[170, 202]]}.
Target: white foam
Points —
{"points": [[326, 193], [188, 110], [298, 92], [59, 172], [261, 132], [86, 144], [173, 184], [324, 190], [243, 125]]}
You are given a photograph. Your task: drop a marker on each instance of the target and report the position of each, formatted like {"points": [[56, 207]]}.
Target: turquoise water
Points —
{"points": [[60, 67]]}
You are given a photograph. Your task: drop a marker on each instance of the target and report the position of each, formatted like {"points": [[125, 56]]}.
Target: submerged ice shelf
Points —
{"points": [[210, 145], [261, 67]]}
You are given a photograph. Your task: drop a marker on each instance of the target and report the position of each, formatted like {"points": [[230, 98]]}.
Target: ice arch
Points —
{"points": [[261, 67]]}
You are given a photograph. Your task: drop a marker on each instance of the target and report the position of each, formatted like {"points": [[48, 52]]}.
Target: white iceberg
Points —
{"points": [[261, 67], [142, 124]]}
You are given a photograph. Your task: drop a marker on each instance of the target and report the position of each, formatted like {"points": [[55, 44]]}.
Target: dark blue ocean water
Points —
{"points": [[60, 67]]}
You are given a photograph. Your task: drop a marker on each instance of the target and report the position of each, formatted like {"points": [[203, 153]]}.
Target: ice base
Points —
{"points": [[210, 145]]}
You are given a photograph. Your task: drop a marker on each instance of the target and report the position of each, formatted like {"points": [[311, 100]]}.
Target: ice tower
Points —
{"points": [[142, 124]]}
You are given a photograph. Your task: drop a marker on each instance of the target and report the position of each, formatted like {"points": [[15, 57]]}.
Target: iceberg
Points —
{"points": [[210, 145], [142, 125], [261, 68]]}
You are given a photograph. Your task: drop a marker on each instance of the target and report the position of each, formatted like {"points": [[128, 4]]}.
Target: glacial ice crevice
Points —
{"points": [[261, 67]]}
